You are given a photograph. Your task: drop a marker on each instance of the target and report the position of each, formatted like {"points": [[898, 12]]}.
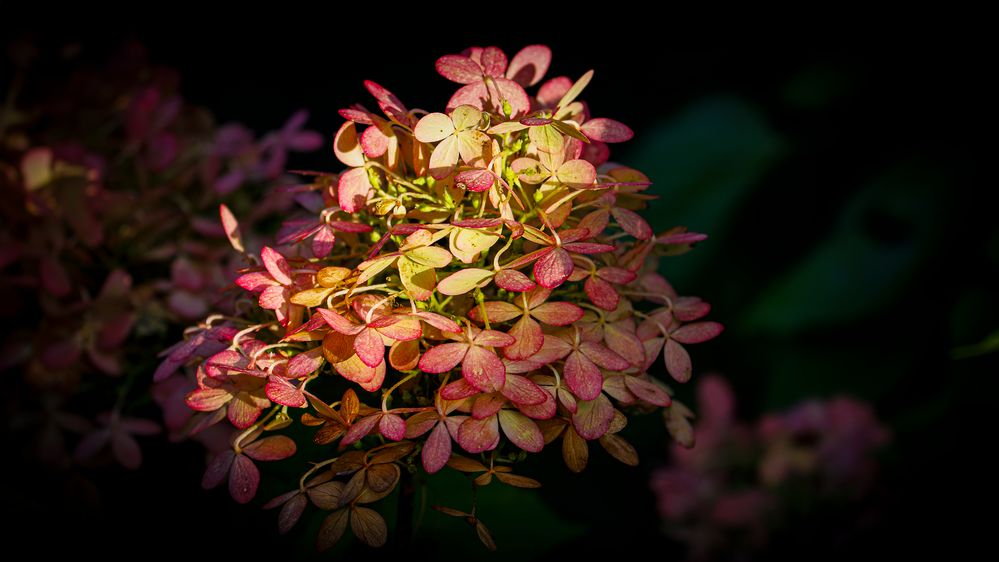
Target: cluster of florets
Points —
{"points": [[477, 281], [109, 243]]}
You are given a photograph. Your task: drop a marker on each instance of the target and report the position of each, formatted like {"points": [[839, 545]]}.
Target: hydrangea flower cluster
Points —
{"points": [[476, 285], [721, 495], [109, 240]]}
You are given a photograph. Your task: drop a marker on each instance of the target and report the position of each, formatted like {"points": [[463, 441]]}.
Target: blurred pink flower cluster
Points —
{"points": [[111, 184], [724, 493]]}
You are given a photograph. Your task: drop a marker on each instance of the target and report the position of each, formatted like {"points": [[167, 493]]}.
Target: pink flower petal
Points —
{"points": [[207, 399], [458, 390], [283, 392], [557, 313], [677, 361], [460, 69], [369, 347], [599, 354], [593, 418], [339, 323], [582, 376], [475, 180], [442, 358], [493, 338], [483, 369], [374, 143], [522, 431], [493, 61], [477, 436], [392, 427], [276, 265], [529, 65], [553, 268], [244, 478], [360, 429], [619, 337], [513, 280], [436, 449], [697, 332], [217, 469], [231, 227], [632, 223], [322, 243], [353, 189], [607, 130], [528, 336], [487, 405], [602, 293], [433, 127], [242, 412], [440, 322], [588, 248], [648, 391], [497, 311], [551, 91], [273, 297], [522, 392]]}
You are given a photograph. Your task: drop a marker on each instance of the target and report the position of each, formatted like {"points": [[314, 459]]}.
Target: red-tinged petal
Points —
{"points": [[599, 354], [244, 478], [477, 436], [595, 222], [442, 323], [648, 391], [392, 427], [582, 376], [493, 61], [444, 157], [632, 223], [442, 358], [346, 146], [588, 248], [304, 364], [551, 91], [677, 361], [596, 153], [406, 328], [528, 336], [346, 226], [616, 275], [553, 268], [602, 293], [458, 390], [339, 323], [360, 429], [557, 313], [218, 469], [616, 388], [522, 392], [486, 405], [620, 336], [688, 309], [433, 127], [374, 143], [273, 297], [543, 411], [697, 332], [460, 69], [513, 280], [475, 95], [578, 174], [231, 227], [652, 348], [369, 347], [512, 93], [593, 418], [353, 189], [607, 130], [681, 238], [322, 243], [493, 338], [291, 512], [529, 65], [420, 423], [497, 311], [276, 265], [353, 369], [207, 399], [437, 449], [242, 411], [463, 281], [283, 392], [273, 448], [553, 349], [522, 431], [475, 180], [483, 369], [529, 258], [255, 281], [357, 116]]}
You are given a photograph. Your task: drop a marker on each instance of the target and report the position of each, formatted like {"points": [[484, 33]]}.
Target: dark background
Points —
{"points": [[853, 246]]}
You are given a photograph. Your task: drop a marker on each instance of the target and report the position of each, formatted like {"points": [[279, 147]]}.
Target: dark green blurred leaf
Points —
{"points": [[703, 162]]}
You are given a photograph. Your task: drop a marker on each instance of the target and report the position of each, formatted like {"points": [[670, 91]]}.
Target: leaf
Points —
{"points": [[557, 313], [273, 448], [483, 369], [677, 361], [281, 391], [291, 512], [647, 391], [369, 347], [528, 336], [327, 496], [516, 480], [607, 130], [442, 358], [368, 526], [485, 536], [231, 227], [419, 280], [475, 180], [521, 431], [463, 281], [353, 190], [522, 391], [575, 90], [360, 429], [311, 297], [575, 451], [243, 479], [332, 529], [477, 436], [436, 449], [392, 427], [553, 268], [513, 280], [497, 311], [465, 464], [582, 376], [697, 332]]}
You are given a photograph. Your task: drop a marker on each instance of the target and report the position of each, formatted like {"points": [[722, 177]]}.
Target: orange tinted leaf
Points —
{"points": [[465, 464], [620, 449], [575, 451], [369, 526], [517, 480]]}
